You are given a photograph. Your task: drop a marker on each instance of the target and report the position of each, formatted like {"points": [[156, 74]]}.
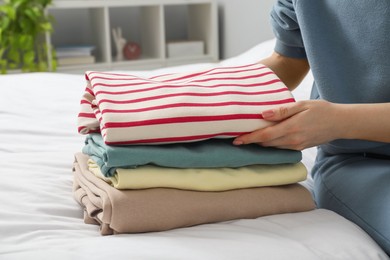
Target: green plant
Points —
{"points": [[23, 25]]}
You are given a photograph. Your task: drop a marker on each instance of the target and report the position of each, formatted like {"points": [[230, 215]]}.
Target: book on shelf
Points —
{"points": [[74, 50], [76, 60]]}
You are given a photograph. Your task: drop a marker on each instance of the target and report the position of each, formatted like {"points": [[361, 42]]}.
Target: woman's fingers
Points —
{"points": [[297, 126], [266, 135], [258, 136], [283, 112]]}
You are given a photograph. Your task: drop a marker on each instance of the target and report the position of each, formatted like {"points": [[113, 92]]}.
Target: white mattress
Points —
{"points": [[39, 219]]}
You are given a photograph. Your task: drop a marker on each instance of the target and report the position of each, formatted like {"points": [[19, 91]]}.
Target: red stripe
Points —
{"points": [[235, 71], [232, 103], [80, 128], [235, 78], [122, 85], [216, 68], [127, 77], [107, 73], [88, 115], [200, 80], [187, 119], [211, 70], [191, 94], [89, 77], [175, 139], [89, 91], [197, 86], [84, 101]]}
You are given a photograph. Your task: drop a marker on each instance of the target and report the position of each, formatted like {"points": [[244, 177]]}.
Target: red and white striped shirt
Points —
{"points": [[222, 102]]}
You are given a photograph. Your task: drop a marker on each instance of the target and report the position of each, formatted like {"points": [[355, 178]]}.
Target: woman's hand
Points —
{"points": [[298, 126]]}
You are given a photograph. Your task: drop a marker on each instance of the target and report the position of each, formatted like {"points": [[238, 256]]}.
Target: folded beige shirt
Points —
{"points": [[158, 209], [203, 179]]}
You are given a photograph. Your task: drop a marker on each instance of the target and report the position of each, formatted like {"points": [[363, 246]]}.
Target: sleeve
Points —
{"points": [[286, 29]]}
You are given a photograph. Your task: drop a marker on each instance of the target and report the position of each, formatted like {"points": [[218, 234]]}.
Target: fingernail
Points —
{"points": [[238, 142], [268, 113]]}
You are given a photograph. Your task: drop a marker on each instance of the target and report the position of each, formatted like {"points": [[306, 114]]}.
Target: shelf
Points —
{"points": [[148, 23]]}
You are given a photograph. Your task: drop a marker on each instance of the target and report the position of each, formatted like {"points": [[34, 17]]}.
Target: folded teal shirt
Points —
{"points": [[213, 153]]}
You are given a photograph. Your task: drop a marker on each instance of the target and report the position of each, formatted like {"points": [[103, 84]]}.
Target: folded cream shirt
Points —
{"points": [[205, 179]]}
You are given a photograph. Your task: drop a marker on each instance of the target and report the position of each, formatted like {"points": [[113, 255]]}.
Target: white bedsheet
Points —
{"points": [[39, 219]]}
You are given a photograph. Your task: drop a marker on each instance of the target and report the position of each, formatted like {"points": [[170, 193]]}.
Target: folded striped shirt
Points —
{"points": [[222, 102]]}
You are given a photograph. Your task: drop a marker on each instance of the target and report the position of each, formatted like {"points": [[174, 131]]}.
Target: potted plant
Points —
{"points": [[23, 27]]}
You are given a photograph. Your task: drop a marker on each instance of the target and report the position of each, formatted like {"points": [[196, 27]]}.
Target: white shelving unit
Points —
{"points": [[146, 21]]}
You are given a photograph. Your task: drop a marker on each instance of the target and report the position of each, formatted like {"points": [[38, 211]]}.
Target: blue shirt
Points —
{"points": [[347, 44]]}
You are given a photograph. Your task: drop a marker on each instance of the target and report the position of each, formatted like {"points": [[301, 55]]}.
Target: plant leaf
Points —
{"points": [[46, 27], [23, 24], [8, 11], [29, 57], [5, 21]]}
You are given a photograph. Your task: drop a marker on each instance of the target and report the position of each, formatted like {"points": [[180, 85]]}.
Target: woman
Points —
{"points": [[346, 45]]}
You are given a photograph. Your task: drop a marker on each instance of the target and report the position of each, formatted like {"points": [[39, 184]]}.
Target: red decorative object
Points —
{"points": [[131, 50]]}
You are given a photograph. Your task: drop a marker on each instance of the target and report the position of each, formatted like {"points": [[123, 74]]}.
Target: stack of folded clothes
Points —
{"points": [[159, 155]]}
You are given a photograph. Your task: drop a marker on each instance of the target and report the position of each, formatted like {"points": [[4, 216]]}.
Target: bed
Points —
{"points": [[40, 219]]}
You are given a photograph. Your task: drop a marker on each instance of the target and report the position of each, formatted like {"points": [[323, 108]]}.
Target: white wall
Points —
{"points": [[243, 24]]}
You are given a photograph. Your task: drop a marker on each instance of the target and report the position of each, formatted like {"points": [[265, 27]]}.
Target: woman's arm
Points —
{"points": [[366, 121], [309, 123], [290, 70], [312, 122]]}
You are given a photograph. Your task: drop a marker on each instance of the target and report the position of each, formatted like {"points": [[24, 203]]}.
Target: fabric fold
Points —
{"points": [[212, 153], [221, 102], [206, 179], [158, 209]]}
